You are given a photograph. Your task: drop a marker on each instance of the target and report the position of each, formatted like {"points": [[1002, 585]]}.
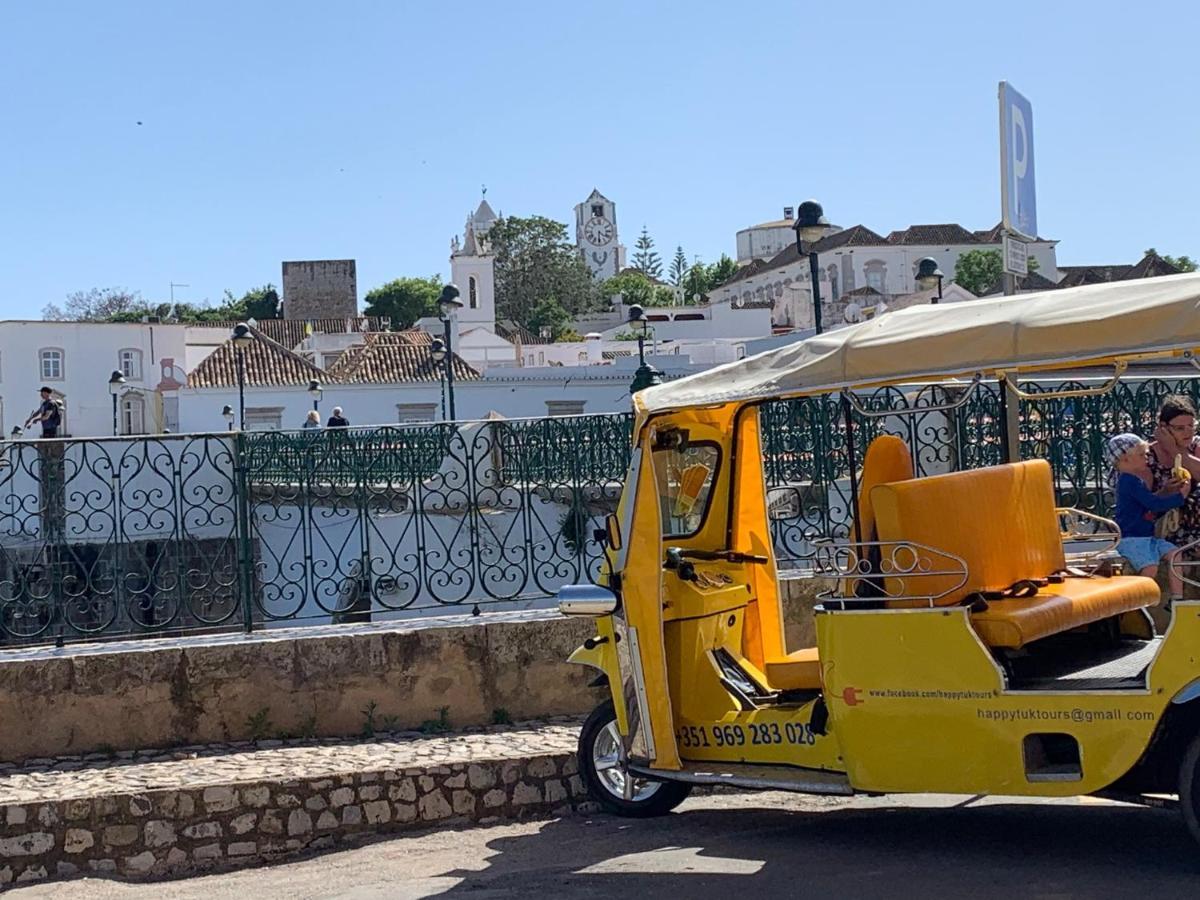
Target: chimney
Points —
{"points": [[593, 344], [789, 213]]}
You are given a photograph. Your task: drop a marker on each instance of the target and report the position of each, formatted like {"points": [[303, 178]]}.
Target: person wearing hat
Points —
{"points": [[1138, 507], [49, 413]]}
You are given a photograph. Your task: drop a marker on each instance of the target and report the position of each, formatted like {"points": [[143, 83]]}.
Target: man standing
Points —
{"points": [[49, 414], [337, 420]]}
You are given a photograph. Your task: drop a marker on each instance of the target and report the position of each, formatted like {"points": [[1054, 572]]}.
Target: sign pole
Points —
{"points": [[1018, 222]]}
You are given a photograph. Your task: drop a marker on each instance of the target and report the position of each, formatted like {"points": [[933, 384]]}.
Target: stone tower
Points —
{"points": [[320, 289]]}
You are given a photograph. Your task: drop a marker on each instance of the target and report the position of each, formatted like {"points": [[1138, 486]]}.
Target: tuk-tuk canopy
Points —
{"points": [[1068, 328]]}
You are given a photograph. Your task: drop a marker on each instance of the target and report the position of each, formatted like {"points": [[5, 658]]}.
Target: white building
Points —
{"points": [[390, 379], [858, 257], [767, 239], [76, 359]]}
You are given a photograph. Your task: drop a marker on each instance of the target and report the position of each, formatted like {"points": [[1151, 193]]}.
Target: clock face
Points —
{"points": [[598, 230]]}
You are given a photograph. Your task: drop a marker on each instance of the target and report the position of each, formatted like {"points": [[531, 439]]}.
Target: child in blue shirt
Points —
{"points": [[1138, 507]]}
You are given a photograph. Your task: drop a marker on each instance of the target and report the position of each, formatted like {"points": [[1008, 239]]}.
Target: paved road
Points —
{"points": [[770, 844]]}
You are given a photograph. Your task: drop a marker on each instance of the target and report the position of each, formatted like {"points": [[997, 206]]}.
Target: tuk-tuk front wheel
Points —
{"points": [[607, 780]]}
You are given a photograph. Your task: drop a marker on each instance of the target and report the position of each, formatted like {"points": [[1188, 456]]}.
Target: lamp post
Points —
{"points": [[437, 352], [810, 227], [646, 375], [929, 275], [448, 305], [227, 413], [242, 338], [116, 381], [314, 391]]}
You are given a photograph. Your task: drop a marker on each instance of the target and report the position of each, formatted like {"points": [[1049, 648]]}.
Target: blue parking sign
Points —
{"points": [[1017, 194]]}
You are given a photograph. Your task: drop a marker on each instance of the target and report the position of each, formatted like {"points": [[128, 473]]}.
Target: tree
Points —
{"points": [[1182, 263], [679, 267], [534, 262], [721, 271], [95, 305], [646, 260], [404, 300], [978, 270], [550, 314], [257, 303], [696, 283], [633, 286]]}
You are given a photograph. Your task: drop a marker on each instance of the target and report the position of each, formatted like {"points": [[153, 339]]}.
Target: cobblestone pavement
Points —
{"points": [[730, 845], [155, 814], [192, 767]]}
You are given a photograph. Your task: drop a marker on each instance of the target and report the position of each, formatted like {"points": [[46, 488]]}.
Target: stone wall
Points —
{"points": [[167, 832], [303, 682], [317, 681], [320, 289]]}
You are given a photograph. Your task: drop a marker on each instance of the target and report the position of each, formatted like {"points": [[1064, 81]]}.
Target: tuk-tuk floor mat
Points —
{"points": [[1080, 665]]}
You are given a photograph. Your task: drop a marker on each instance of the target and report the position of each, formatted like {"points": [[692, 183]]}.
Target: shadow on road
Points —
{"points": [[990, 850]]}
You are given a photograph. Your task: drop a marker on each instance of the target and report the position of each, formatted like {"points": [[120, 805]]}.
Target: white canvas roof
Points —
{"points": [[1061, 328]]}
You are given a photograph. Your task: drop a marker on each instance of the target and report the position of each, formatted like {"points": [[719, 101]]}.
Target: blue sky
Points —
{"points": [[315, 130]]}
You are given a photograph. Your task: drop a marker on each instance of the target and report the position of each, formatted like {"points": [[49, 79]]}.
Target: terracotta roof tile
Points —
{"points": [[268, 363], [388, 358], [950, 234], [854, 236], [292, 332]]}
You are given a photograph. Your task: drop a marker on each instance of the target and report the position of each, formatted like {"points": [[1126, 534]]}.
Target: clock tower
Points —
{"points": [[596, 236]]}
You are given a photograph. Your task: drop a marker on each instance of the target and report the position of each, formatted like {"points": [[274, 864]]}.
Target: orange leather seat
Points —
{"points": [[798, 671], [1060, 607], [1001, 522]]}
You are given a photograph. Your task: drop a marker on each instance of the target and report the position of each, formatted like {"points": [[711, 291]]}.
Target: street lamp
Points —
{"points": [[437, 352], [811, 225], [116, 381], [314, 391], [227, 412], [448, 305], [243, 337], [646, 375], [928, 274]]}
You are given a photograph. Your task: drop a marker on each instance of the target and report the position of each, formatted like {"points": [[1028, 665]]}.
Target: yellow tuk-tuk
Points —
{"points": [[960, 649]]}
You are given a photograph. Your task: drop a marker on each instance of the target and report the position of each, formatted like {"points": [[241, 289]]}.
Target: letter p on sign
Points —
{"points": [[1017, 193]]}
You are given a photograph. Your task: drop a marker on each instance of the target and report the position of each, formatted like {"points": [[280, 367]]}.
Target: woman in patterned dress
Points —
{"points": [[1176, 435]]}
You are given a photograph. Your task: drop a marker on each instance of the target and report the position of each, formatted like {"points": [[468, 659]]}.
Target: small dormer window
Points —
{"points": [[597, 210]]}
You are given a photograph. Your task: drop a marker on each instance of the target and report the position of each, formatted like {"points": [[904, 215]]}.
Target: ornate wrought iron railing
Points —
{"points": [[163, 535]]}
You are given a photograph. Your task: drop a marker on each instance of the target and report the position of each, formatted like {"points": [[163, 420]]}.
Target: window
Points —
{"points": [[408, 413], [685, 481], [875, 272], [129, 361], [597, 210], [328, 359], [472, 293], [133, 414], [564, 407], [264, 418], [833, 282], [52, 364]]}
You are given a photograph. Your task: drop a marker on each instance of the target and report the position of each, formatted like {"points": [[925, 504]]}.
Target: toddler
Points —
{"points": [[1138, 507]]}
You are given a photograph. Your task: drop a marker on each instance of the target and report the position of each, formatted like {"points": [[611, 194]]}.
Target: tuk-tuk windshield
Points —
{"points": [[685, 480]]}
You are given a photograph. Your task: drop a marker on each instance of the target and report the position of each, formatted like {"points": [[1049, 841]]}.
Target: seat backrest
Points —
{"points": [[1000, 521], [887, 460]]}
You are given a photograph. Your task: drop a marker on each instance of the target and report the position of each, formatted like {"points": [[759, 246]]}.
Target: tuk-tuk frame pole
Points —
{"points": [[852, 465], [1010, 421]]}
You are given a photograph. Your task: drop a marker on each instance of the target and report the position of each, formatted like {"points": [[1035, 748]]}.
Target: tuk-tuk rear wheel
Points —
{"points": [[1189, 788], [609, 783]]}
